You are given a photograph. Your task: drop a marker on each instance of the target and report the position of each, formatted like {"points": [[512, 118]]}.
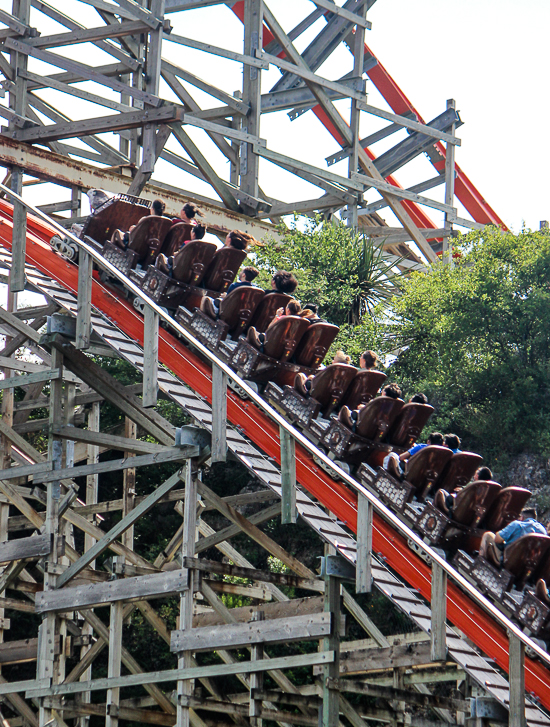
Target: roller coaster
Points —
{"points": [[473, 624]]}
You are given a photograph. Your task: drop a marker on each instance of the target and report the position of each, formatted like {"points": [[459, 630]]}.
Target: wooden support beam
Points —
{"points": [[229, 532], [84, 305], [275, 610], [363, 565], [90, 35], [27, 379], [438, 605], [25, 548], [358, 662], [288, 477], [158, 585], [110, 441], [98, 125], [115, 532], [516, 675], [236, 636], [170, 675], [219, 414], [24, 650], [403, 695]]}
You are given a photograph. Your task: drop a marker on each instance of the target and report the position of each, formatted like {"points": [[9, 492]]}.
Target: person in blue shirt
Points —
{"points": [[493, 545], [246, 276], [453, 443], [393, 463]]}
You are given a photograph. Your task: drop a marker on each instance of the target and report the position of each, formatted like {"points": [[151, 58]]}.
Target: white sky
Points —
{"points": [[490, 55]]}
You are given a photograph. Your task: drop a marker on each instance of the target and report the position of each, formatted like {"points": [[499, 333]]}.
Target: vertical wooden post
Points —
{"points": [[47, 631], [253, 34], [129, 484], [84, 305], [288, 477], [185, 687], [438, 629], [219, 414], [114, 663], [150, 356], [449, 189], [89, 541], [516, 677], [331, 696], [256, 679], [363, 566], [353, 163]]}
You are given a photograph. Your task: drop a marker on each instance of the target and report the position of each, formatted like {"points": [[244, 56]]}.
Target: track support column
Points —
{"points": [[219, 414], [331, 696], [253, 26], [363, 566], [288, 477], [438, 630], [516, 676]]}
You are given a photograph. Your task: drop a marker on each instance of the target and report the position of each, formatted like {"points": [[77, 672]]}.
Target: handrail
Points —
{"points": [[381, 509]]}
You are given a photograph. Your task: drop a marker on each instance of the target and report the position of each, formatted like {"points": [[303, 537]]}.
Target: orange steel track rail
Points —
{"points": [[462, 611], [466, 192]]}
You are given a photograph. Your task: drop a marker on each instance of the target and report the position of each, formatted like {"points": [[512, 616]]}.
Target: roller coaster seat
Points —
{"points": [[363, 388], [472, 502], [223, 269], [506, 507], [191, 263], [522, 557], [238, 308], [328, 386], [424, 467], [315, 343], [459, 470], [116, 213], [409, 425], [148, 236], [376, 417], [176, 238], [283, 337], [265, 312]]}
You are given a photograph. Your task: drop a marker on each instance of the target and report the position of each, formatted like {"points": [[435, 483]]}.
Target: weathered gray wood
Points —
{"points": [[121, 527], [357, 662], [20, 651], [114, 663], [516, 675], [438, 604], [234, 636], [150, 356], [27, 379], [219, 415], [363, 573], [84, 305], [282, 579], [273, 610], [19, 232], [172, 454], [33, 547], [138, 588], [331, 644], [288, 477], [110, 441], [199, 672], [256, 678]]}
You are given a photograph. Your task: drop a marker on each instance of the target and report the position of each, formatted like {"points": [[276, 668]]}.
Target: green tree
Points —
{"points": [[476, 338], [342, 271]]}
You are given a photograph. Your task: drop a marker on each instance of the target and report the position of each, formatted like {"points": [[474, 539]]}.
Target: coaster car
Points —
{"points": [[188, 272], [266, 312], [178, 235], [269, 361], [143, 244], [354, 443], [231, 319], [120, 212], [408, 426], [363, 388], [423, 470], [327, 389], [458, 471], [459, 527]]}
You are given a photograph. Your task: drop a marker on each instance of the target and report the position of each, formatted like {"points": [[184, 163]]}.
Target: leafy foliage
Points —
{"points": [[341, 271], [476, 338]]}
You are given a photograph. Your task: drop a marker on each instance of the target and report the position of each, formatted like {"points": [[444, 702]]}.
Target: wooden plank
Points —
{"points": [[235, 636], [18, 325], [363, 573], [150, 356], [282, 579], [113, 534], [516, 671], [170, 675], [275, 610], [24, 650], [367, 660], [219, 414], [158, 585], [405, 695], [288, 477], [33, 547], [84, 305], [438, 605], [110, 441], [27, 379]]}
